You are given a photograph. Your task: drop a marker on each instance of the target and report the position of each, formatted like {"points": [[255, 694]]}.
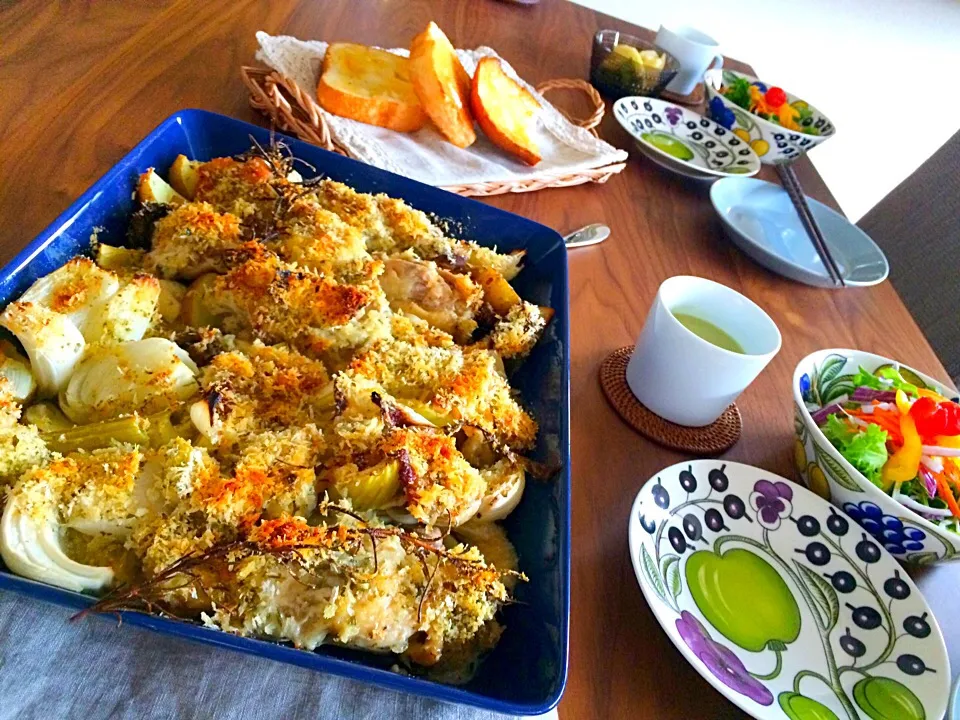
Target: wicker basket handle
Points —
{"points": [[288, 106], [570, 84]]}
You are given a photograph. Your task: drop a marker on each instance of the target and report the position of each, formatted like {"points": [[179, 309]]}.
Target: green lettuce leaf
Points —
{"points": [[863, 447], [738, 92], [864, 378], [894, 379]]}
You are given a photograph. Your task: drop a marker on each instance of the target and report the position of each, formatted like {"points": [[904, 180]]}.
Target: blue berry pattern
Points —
{"points": [[897, 537]]}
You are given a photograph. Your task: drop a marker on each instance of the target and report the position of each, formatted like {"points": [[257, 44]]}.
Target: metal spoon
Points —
{"points": [[588, 235]]}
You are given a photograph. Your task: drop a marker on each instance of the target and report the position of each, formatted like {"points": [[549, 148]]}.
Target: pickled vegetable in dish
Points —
{"points": [[281, 410], [627, 68]]}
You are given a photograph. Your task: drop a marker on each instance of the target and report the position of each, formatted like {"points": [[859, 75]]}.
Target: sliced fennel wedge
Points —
{"points": [[52, 341], [127, 315], [145, 376], [506, 482], [73, 290], [31, 547], [16, 368]]}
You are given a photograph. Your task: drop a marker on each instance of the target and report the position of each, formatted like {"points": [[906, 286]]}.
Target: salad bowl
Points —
{"points": [[774, 143], [820, 380], [780, 601]]}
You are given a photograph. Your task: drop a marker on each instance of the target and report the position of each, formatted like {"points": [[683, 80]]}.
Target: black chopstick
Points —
{"points": [[791, 184]]}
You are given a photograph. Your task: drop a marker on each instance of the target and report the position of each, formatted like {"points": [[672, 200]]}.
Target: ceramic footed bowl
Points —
{"points": [[818, 379], [780, 601], [774, 143]]}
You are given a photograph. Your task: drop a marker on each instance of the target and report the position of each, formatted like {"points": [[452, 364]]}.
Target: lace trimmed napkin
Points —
{"points": [[424, 155]]}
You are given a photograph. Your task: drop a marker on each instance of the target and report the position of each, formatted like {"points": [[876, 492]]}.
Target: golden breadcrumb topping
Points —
{"points": [[275, 301], [193, 239], [481, 396], [73, 287], [94, 486], [264, 388], [517, 333], [401, 603], [244, 188], [438, 483], [466, 385], [318, 239]]}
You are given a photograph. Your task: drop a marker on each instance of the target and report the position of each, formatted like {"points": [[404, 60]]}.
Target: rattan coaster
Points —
{"points": [[710, 440], [694, 98]]}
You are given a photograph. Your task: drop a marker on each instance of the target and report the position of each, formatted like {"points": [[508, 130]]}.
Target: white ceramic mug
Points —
{"points": [[682, 377], [694, 50]]}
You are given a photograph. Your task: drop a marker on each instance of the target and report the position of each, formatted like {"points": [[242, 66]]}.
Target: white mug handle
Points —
{"points": [[717, 63]]}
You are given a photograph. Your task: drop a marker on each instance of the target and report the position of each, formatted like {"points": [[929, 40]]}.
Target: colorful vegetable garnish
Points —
{"points": [[770, 103], [904, 464], [903, 437], [936, 418], [865, 448], [738, 92], [775, 97]]}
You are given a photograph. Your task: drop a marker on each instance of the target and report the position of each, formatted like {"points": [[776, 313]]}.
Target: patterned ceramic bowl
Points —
{"points": [[819, 379], [780, 601], [680, 137], [772, 142]]}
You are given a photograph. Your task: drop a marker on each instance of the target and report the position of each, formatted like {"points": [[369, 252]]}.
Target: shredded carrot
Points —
{"points": [[950, 473], [890, 423], [945, 494], [888, 416]]}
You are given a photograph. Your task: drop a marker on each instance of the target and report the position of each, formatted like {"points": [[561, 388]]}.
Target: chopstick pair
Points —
{"points": [[788, 178]]}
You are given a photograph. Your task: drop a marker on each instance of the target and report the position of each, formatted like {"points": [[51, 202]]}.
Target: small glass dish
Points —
{"points": [[620, 74]]}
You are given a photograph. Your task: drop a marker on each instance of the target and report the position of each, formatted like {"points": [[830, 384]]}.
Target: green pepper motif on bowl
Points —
{"points": [[722, 585], [798, 707]]}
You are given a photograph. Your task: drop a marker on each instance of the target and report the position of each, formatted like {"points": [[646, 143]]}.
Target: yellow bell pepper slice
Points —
{"points": [[923, 392], [758, 102], [903, 403], [904, 464], [788, 116]]}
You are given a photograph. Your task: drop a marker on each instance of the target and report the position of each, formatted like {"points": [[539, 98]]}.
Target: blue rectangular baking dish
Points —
{"points": [[527, 672]]}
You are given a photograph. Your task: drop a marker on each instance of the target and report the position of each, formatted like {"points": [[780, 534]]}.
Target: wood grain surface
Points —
{"points": [[83, 82]]}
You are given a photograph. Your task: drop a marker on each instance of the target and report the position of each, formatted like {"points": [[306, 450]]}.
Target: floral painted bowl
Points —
{"points": [[819, 379], [781, 602], [774, 143], [681, 139]]}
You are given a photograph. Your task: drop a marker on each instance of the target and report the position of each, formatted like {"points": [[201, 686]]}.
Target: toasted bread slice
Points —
{"points": [[504, 110], [442, 85], [370, 85]]}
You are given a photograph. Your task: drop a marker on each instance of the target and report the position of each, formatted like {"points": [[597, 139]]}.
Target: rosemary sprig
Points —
{"points": [[148, 595]]}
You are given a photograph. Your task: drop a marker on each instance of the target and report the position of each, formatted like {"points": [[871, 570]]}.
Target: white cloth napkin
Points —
{"points": [[91, 669], [424, 155]]}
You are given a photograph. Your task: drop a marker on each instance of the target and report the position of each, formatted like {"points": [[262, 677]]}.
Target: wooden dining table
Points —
{"points": [[82, 82]]}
